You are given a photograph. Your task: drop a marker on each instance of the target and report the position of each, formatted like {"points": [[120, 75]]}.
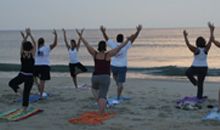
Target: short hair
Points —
{"points": [[27, 46], [102, 46], [72, 40], [120, 38], [200, 42], [40, 42]]}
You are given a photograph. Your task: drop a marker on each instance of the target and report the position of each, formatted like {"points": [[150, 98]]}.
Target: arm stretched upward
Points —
{"points": [[90, 49], [103, 30], [79, 41], [28, 31], [65, 39], [212, 28], [191, 47], [135, 35], [54, 44]]}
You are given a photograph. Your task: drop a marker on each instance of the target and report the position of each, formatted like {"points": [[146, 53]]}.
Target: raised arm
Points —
{"points": [[23, 36], [103, 30], [212, 28], [65, 39], [114, 51], [23, 40], [54, 44], [28, 31], [217, 43], [79, 41], [90, 49], [135, 35], [191, 47]]}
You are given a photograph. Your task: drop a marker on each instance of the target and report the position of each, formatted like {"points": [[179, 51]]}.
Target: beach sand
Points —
{"points": [[152, 106]]}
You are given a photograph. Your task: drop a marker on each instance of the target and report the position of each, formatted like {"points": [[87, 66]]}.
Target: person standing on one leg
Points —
{"points": [[27, 53], [217, 43], [75, 66], [199, 66], [101, 75], [119, 61], [42, 62]]}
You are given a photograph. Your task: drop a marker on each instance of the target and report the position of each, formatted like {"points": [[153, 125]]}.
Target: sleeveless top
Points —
{"points": [[200, 58], [27, 64], [101, 66], [73, 56]]}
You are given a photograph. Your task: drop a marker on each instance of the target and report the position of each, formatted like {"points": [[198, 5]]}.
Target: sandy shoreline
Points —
{"points": [[152, 106]]}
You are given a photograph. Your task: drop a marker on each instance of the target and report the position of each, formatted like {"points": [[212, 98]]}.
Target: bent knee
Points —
{"points": [[10, 84]]}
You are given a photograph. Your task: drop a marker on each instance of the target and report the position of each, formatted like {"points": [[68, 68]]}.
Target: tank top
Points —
{"points": [[200, 58], [27, 64], [102, 66], [73, 56]]}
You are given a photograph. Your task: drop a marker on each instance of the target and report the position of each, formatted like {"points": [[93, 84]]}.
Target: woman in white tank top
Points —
{"points": [[199, 66], [75, 66]]}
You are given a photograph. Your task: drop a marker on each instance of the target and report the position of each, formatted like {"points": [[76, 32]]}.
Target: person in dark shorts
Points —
{"points": [[101, 75], [75, 66], [27, 53], [199, 66], [42, 62]]}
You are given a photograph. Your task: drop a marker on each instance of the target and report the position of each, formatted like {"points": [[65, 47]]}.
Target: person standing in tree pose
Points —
{"points": [[199, 66], [42, 62], [27, 53], [119, 61], [101, 75], [75, 66]]}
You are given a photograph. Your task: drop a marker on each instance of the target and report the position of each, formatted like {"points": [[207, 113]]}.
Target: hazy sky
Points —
{"points": [[47, 14]]}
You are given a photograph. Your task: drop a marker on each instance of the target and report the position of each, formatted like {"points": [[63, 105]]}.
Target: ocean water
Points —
{"points": [[155, 51]]}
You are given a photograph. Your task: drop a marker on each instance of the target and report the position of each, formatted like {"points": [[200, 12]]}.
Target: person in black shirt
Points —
{"points": [[27, 53]]}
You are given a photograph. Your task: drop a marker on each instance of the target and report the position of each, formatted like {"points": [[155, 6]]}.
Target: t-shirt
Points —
{"points": [[42, 56], [73, 56], [200, 58], [120, 59]]}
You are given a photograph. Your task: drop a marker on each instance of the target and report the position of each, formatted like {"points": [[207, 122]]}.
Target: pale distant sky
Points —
{"points": [[47, 14]]}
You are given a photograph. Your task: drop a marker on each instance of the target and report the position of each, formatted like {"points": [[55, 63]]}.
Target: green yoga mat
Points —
{"points": [[19, 114]]}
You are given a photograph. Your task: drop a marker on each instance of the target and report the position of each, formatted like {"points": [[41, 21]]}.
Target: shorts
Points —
{"points": [[42, 71], [120, 73], [101, 83], [76, 68]]}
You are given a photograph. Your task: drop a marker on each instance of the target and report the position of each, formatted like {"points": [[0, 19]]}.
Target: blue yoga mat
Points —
{"points": [[214, 114], [33, 98]]}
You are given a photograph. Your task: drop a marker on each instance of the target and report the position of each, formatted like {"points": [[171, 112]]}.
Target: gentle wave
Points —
{"points": [[159, 71]]}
